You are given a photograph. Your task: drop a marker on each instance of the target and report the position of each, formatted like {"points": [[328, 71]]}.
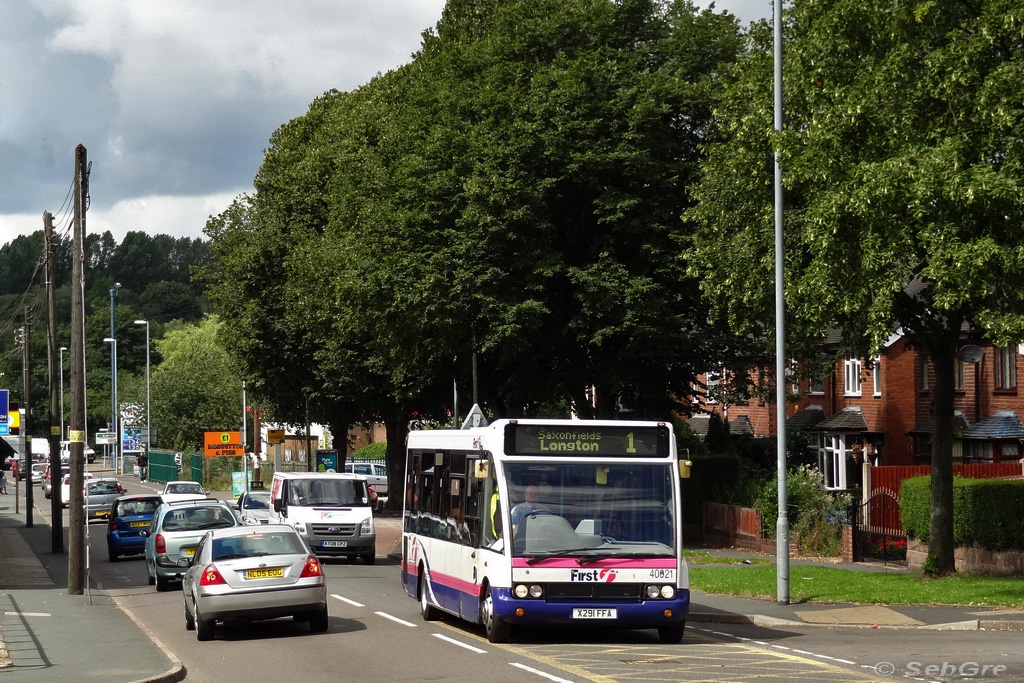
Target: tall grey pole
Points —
{"points": [[149, 420], [782, 529]]}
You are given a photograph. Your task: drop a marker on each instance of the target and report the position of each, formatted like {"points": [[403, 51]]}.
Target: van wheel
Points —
{"points": [[369, 558], [429, 612]]}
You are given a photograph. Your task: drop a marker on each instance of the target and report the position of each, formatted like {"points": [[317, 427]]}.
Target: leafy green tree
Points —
{"points": [[196, 388], [902, 164]]}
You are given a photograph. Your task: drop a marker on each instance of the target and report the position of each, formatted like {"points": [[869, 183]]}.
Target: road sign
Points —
{"points": [[5, 396], [275, 436], [105, 438], [217, 444]]}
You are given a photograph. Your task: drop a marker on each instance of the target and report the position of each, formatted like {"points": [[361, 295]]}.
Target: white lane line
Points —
{"points": [[803, 652], [780, 647], [541, 673], [455, 642], [351, 602], [403, 622]]}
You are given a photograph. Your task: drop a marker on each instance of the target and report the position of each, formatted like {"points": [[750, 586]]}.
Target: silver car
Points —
{"points": [[99, 496], [175, 532], [254, 507], [253, 573]]}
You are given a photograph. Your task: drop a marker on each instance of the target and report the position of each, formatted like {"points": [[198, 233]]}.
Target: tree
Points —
{"points": [[196, 388], [902, 164]]}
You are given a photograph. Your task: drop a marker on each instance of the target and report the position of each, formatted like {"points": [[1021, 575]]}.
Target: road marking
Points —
{"points": [[403, 622], [351, 602], [455, 642], [26, 614], [540, 673]]}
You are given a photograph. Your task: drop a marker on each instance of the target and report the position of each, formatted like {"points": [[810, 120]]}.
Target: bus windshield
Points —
{"points": [[591, 510]]}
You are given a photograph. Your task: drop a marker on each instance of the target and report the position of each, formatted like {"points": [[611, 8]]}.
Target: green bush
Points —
{"points": [[816, 516], [985, 511], [373, 451], [711, 477]]}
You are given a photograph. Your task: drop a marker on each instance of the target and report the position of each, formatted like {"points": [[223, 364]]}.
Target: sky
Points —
{"points": [[175, 100]]}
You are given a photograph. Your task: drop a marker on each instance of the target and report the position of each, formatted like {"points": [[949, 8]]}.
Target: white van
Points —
{"points": [[331, 510]]}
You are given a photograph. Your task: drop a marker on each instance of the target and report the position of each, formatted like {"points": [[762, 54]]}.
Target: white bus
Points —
{"points": [[528, 522]]}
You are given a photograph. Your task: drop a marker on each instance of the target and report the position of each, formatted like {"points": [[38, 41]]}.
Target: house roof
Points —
{"points": [[925, 428], [1003, 425], [806, 418], [699, 424], [849, 419], [741, 425]]}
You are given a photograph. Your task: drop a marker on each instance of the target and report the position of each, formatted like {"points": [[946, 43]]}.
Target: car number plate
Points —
{"points": [[275, 572], [102, 513], [139, 524], [334, 544], [594, 613], [189, 550]]}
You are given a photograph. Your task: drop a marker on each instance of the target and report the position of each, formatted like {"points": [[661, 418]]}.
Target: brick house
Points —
{"points": [[878, 409]]}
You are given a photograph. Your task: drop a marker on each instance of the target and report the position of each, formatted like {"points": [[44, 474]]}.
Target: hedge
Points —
{"points": [[985, 511], [710, 476]]}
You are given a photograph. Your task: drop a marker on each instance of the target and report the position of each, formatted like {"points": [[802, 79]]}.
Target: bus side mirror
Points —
{"points": [[684, 468]]}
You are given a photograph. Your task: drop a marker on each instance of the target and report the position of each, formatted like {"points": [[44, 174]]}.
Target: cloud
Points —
{"points": [[176, 100]]}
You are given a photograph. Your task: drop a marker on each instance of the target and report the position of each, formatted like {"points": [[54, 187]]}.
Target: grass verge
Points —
{"points": [[825, 584]]}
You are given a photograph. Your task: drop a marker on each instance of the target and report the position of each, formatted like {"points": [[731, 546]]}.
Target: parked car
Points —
{"points": [[38, 468], [182, 490], [254, 507], [130, 517], [175, 531], [252, 573], [65, 486], [47, 482], [375, 473], [98, 497]]}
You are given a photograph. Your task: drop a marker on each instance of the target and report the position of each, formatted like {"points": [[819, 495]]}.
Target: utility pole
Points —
{"points": [[76, 434], [56, 509], [26, 423]]}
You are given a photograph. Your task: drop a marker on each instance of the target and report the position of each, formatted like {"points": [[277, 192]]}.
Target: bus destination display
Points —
{"points": [[559, 440]]}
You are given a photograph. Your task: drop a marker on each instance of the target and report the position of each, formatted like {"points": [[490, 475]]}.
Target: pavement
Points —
{"points": [[48, 635]]}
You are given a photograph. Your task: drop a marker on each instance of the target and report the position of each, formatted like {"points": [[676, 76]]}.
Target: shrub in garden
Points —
{"points": [[985, 511], [816, 515]]}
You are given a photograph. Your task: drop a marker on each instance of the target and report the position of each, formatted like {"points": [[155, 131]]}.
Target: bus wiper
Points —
{"points": [[564, 552], [594, 557]]}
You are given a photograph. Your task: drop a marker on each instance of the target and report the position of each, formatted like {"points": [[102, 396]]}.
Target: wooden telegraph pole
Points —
{"points": [[76, 435], [56, 509]]}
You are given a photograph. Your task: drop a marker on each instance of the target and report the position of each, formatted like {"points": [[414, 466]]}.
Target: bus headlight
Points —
{"points": [[523, 591], [655, 592]]}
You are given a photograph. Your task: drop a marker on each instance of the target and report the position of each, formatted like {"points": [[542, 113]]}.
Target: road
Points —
{"points": [[376, 632]]}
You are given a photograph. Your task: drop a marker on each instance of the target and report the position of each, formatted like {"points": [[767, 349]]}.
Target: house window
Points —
{"points": [[832, 460], [852, 365], [876, 375], [714, 381], [959, 374], [1006, 367]]}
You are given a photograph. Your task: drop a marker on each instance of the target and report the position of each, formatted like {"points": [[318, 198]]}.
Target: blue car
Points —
{"points": [[130, 516]]}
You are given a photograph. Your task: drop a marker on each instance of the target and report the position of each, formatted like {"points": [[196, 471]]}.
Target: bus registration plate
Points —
{"points": [[334, 544], [594, 613]]}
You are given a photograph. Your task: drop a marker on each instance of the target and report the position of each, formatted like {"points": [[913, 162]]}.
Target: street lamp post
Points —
{"points": [[113, 384], [149, 421], [62, 350]]}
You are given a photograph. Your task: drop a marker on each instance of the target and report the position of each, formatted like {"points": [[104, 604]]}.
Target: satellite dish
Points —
{"points": [[971, 353]]}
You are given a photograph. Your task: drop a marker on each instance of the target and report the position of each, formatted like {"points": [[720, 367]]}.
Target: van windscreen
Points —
{"points": [[327, 492]]}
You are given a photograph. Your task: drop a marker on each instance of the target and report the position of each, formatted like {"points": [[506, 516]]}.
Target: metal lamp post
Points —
{"points": [[113, 385], [62, 437], [149, 425]]}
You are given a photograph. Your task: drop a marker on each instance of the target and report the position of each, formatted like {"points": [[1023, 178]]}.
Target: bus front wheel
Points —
{"points": [[671, 635], [497, 629]]}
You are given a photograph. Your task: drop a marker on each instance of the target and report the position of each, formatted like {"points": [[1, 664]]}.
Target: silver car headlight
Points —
{"points": [[250, 520]]}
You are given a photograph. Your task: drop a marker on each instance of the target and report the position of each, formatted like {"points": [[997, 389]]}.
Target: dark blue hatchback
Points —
{"points": [[129, 517]]}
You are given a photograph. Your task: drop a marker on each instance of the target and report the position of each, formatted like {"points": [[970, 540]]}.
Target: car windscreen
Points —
{"points": [[145, 506], [256, 545], [198, 518], [255, 501], [99, 488]]}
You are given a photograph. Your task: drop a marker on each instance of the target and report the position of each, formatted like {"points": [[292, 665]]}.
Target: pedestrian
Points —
{"points": [[3, 482], [143, 462]]}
